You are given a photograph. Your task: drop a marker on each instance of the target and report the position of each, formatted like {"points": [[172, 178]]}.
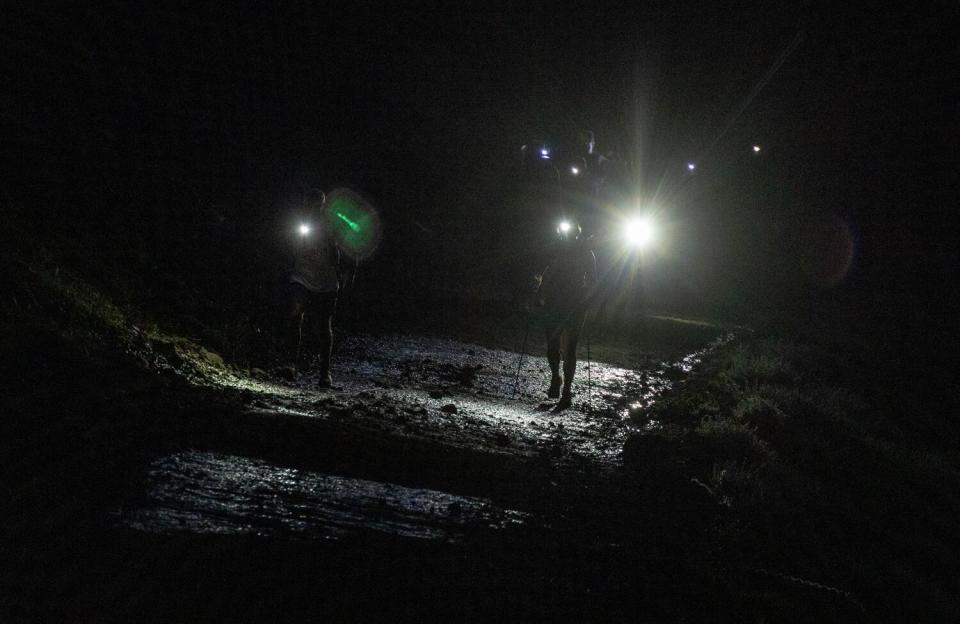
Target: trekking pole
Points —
{"points": [[523, 348], [296, 357], [589, 372]]}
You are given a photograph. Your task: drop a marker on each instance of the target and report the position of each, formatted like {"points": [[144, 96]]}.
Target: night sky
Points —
{"points": [[146, 127]]}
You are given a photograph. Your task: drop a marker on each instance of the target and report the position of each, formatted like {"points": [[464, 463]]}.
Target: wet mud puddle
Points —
{"points": [[229, 495], [450, 393]]}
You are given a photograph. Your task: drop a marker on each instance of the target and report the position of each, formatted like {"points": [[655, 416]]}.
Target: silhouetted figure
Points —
{"points": [[589, 182], [565, 291], [315, 281]]}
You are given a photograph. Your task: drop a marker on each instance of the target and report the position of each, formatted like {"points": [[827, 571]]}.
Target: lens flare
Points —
{"points": [[639, 232], [353, 225], [353, 222]]}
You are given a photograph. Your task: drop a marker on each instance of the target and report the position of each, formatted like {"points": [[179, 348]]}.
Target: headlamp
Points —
{"points": [[639, 232]]}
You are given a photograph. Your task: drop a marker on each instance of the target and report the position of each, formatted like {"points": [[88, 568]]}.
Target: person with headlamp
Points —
{"points": [[566, 288], [315, 281]]}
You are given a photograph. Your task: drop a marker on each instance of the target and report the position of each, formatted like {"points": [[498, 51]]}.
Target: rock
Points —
{"points": [[449, 408]]}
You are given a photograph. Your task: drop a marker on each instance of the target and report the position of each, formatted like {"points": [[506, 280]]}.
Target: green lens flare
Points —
{"points": [[354, 222]]}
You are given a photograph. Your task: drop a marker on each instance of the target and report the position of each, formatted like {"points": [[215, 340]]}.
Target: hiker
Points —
{"points": [[566, 288], [317, 277]]}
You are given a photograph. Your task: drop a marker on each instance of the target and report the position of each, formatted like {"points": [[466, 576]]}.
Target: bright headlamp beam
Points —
{"points": [[638, 233], [544, 153], [575, 170], [304, 229], [691, 166], [564, 227], [756, 149]]}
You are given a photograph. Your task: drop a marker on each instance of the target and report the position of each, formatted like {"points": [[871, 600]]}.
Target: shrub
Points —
{"points": [[764, 415]]}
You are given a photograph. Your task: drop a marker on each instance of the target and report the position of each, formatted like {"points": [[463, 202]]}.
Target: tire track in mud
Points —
{"points": [[420, 438]]}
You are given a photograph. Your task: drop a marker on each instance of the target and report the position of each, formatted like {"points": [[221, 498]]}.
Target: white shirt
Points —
{"points": [[315, 261]]}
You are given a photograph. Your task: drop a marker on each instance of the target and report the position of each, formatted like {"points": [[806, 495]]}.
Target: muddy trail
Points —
{"points": [[421, 437], [154, 481], [153, 478], [436, 482]]}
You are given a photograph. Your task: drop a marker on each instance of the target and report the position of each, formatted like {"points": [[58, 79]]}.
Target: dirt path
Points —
{"points": [[422, 437]]}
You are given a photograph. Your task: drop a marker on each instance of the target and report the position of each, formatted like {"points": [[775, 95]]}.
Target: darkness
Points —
{"points": [[162, 151], [175, 131]]}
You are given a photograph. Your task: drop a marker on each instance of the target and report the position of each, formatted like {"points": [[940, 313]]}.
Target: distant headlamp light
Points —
{"points": [[564, 227], [639, 232], [304, 229]]}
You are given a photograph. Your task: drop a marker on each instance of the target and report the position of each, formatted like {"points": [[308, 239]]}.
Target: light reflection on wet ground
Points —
{"points": [[230, 495], [450, 393], [406, 368]]}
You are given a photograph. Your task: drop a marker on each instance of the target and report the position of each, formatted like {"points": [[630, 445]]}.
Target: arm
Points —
{"points": [[546, 275], [528, 292]]}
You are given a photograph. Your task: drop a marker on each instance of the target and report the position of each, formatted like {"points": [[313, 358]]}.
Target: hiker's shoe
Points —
{"points": [[554, 391], [565, 401]]}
